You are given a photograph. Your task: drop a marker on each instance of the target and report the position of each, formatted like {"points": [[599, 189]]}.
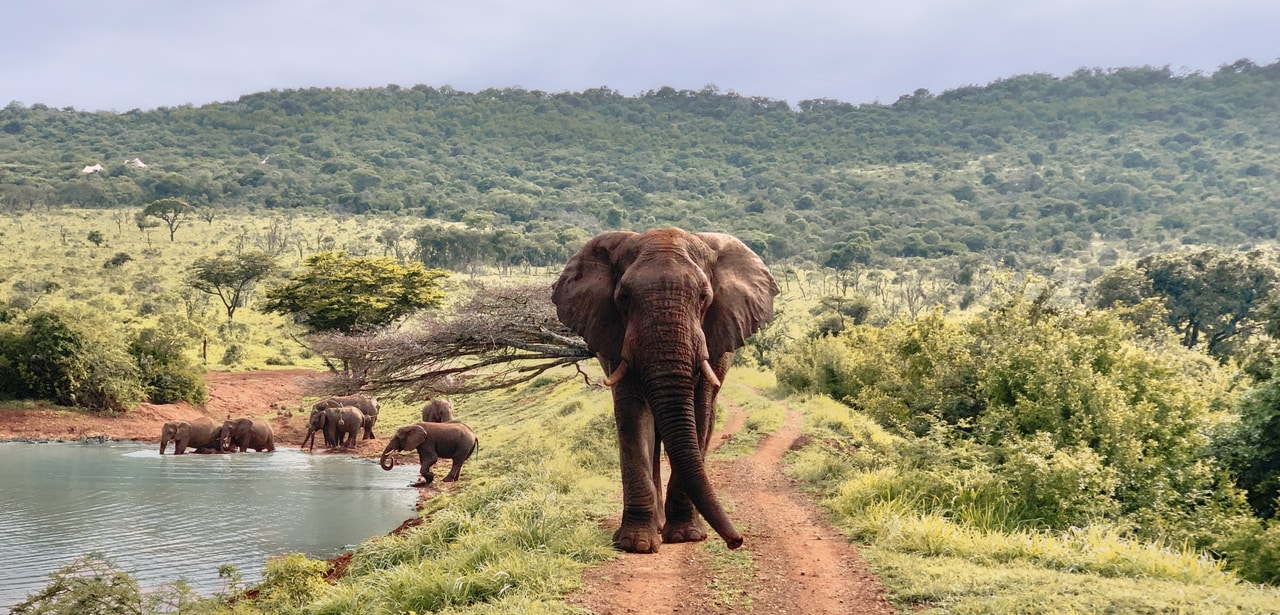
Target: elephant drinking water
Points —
{"points": [[433, 441], [200, 434], [367, 405], [247, 433]]}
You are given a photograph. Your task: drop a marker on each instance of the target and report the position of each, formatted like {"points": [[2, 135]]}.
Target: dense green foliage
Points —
{"points": [[1210, 297], [334, 291], [1029, 167], [76, 357], [1070, 418]]}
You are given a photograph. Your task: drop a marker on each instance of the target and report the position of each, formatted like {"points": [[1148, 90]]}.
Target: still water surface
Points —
{"points": [[164, 518]]}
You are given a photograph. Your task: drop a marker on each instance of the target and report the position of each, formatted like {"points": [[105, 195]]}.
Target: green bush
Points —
{"points": [[1080, 417], [1252, 446], [166, 372], [1253, 551], [74, 359]]}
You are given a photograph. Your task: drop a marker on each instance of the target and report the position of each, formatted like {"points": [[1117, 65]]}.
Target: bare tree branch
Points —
{"points": [[499, 337]]}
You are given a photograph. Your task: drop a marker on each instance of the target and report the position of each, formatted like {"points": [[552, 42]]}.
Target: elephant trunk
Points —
{"points": [[386, 461], [164, 442], [671, 397]]}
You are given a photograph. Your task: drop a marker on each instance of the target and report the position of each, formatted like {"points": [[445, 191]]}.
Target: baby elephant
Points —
{"points": [[245, 433], [433, 441]]}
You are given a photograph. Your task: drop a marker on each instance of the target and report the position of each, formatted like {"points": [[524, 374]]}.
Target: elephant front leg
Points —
{"points": [[426, 459], [639, 531], [683, 522]]}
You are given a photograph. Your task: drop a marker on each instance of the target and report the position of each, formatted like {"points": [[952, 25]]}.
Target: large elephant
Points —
{"points": [[200, 435], [246, 433], [367, 405], [433, 441], [663, 311], [438, 411]]}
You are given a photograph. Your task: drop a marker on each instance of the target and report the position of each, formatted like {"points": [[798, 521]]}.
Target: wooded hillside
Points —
{"points": [[1027, 167]]}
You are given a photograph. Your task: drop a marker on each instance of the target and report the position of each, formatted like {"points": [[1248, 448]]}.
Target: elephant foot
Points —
{"points": [[687, 531], [642, 539]]}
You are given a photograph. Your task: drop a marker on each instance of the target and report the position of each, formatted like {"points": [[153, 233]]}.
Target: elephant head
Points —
{"points": [[178, 432], [663, 311], [315, 423]]}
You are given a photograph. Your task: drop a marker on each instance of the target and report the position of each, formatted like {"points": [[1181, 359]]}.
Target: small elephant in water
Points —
{"points": [[338, 423], [200, 435], [247, 433], [366, 405], [438, 411], [433, 441]]}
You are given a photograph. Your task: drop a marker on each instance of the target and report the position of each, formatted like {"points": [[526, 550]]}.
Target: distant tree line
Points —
{"points": [[1022, 169]]}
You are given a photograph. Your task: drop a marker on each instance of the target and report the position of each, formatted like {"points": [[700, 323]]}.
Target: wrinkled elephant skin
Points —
{"points": [[663, 311]]}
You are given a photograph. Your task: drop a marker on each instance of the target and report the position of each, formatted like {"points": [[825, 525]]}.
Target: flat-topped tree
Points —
{"points": [[230, 278], [170, 211]]}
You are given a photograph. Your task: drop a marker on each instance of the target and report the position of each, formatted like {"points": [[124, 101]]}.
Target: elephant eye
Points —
{"points": [[623, 298]]}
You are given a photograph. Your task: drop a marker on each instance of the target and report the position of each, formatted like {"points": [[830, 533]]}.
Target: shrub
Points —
{"points": [[74, 359], [1082, 416], [167, 374]]}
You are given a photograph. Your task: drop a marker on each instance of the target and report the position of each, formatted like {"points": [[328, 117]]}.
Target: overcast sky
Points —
{"points": [[144, 54]]}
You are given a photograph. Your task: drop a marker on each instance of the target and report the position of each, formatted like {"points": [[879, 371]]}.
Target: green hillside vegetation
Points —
{"points": [[1032, 170]]}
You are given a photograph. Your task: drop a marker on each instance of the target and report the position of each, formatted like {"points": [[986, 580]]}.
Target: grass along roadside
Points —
{"points": [[950, 563], [763, 415]]}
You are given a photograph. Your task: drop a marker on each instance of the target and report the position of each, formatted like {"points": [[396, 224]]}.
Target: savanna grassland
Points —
{"points": [[1029, 327]]}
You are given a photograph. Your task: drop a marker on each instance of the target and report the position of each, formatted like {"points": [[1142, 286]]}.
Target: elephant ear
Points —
{"points": [[584, 293], [743, 291]]}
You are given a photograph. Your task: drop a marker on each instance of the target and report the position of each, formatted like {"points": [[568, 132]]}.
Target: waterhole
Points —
{"points": [[171, 517]]}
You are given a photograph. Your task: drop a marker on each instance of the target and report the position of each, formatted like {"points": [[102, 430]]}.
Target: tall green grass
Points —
{"points": [[940, 535]]}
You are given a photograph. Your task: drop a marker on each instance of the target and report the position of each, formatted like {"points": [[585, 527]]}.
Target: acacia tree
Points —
{"points": [[230, 278], [338, 292], [170, 211]]}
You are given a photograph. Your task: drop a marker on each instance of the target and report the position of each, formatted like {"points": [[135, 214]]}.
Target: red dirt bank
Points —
{"points": [[274, 393]]}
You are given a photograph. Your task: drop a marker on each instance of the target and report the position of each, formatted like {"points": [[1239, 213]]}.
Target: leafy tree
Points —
{"points": [[170, 211], [96, 238], [1211, 296], [230, 278], [338, 292]]}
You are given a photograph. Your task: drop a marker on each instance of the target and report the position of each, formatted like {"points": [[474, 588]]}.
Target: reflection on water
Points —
{"points": [[164, 518]]}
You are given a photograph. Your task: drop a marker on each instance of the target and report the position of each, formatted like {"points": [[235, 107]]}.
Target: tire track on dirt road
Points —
{"points": [[801, 564]]}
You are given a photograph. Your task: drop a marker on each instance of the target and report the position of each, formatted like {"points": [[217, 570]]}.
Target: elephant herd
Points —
{"points": [[342, 421], [205, 435]]}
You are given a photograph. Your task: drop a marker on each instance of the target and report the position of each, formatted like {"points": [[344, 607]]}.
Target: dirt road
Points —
{"points": [[792, 561]]}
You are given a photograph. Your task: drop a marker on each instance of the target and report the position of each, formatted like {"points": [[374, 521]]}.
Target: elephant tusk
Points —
{"points": [[710, 374], [617, 374]]}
